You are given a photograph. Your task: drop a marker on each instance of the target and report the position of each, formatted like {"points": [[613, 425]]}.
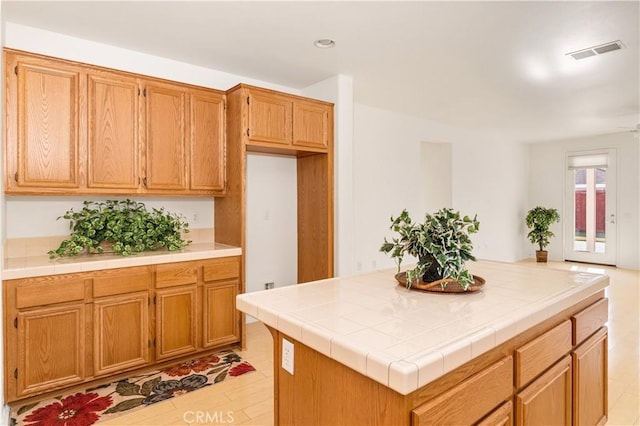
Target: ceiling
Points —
{"points": [[495, 68]]}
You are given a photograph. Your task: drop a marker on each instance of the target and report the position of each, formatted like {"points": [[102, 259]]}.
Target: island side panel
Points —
{"points": [[324, 392]]}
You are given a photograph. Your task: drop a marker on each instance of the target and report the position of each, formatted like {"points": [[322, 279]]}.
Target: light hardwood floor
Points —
{"points": [[248, 399]]}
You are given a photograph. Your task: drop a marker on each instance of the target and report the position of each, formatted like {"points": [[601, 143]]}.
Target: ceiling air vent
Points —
{"points": [[596, 50]]}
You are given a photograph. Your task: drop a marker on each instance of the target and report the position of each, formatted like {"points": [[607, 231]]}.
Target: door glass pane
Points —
{"points": [[601, 214], [590, 213]]}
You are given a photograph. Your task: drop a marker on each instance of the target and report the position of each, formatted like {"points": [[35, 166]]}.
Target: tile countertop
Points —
{"points": [[405, 339], [34, 266]]}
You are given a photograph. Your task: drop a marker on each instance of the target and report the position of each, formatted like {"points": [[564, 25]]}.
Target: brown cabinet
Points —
{"points": [[63, 330], [121, 319], [471, 400], [43, 124], [113, 116], [547, 400], [279, 120], [590, 379], [80, 129], [501, 416]]}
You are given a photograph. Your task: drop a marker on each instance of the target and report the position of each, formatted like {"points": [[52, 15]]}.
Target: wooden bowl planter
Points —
{"points": [[446, 285]]}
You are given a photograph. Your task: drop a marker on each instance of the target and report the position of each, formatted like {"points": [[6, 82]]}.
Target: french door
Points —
{"points": [[590, 207]]}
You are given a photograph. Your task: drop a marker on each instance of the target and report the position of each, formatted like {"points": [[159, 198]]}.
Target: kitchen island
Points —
{"points": [[529, 348]]}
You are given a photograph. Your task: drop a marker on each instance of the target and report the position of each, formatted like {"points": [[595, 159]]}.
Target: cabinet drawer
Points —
{"points": [[541, 353], [171, 275], [587, 321], [501, 416], [119, 281], [471, 400], [49, 293], [222, 269]]}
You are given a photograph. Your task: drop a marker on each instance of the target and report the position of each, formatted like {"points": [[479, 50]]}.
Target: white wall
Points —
{"points": [[546, 187], [436, 166], [488, 179], [272, 222]]}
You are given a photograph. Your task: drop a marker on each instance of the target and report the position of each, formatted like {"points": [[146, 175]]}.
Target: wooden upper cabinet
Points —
{"points": [[311, 124], [207, 142], [270, 118], [113, 132], [43, 124], [75, 129], [165, 137]]}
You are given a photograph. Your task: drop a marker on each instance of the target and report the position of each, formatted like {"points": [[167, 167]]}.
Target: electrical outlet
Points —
{"points": [[287, 356], [195, 218], [269, 285]]}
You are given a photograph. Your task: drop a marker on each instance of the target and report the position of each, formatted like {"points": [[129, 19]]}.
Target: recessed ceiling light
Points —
{"points": [[324, 43], [596, 50]]}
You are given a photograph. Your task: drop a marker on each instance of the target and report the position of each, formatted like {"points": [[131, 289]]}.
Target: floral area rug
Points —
{"points": [[113, 399]]}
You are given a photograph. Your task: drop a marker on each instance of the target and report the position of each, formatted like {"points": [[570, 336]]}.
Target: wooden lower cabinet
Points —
{"points": [[501, 416], [547, 400], [220, 318], [51, 348], [68, 329], [590, 378], [121, 332], [175, 321]]}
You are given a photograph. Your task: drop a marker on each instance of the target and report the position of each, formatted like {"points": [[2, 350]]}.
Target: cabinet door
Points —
{"points": [[270, 118], [207, 142], [47, 125], [547, 400], [176, 321], [310, 124], [121, 332], [501, 416], [51, 348], [165, 134], [113, 132], [220, 317], [590, 404]]}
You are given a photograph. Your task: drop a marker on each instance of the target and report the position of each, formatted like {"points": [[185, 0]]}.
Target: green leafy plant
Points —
{"points": [[441, 244], [126, 224], [539, 219]]}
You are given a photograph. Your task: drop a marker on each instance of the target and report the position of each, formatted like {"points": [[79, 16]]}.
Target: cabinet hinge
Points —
{"points": [[247, 100], [15, 69], [154, 300], [248, 132], [138, 91], [15, 322], [16, 176], [144, 92], [15, 373], [154, 342]]}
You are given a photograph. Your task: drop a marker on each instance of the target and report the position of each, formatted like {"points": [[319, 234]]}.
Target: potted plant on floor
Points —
{"points": [[539, 219], [441, 244]]}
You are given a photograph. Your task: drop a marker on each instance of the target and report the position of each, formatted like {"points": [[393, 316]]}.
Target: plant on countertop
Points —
{"points": [[539, 219], [441, 244], [127, 224]]}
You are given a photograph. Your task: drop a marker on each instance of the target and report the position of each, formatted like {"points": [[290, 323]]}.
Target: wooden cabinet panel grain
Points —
{"points": [[542, 352], [51, 348], [590, 380], [176, 321], [207, 142], [113, 132], [589, 320], [471, 400], [120, 281], [547, 400], [41, 292], [501, 416], [176, 274], [121, 339], [221, 269], [165, 137], [47, 121], [270, 118], [310, 124], [219, 315]]}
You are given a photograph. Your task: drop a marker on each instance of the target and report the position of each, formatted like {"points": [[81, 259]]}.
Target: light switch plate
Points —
{"points": [[287, 356]]}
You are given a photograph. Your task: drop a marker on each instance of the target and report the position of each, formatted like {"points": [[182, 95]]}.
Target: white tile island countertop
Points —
{"points": [[405, 339]]}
